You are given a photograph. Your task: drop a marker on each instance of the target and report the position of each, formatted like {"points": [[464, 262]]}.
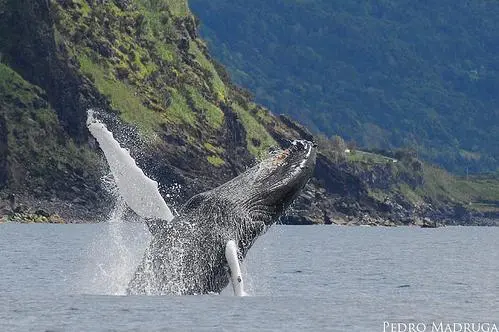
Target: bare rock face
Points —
{"points": [[3, 153]]}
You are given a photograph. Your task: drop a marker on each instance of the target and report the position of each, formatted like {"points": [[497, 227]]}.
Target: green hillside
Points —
{"points": [[142, 66], [420, 75]]}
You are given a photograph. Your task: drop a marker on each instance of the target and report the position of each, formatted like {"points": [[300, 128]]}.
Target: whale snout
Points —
{"points": [[287, 173], [300, 161]]}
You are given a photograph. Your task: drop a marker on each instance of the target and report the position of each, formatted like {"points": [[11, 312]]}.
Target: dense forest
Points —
{"points": [[422, 75]]}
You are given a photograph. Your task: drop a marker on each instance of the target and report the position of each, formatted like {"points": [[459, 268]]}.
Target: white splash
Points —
{"points": [[113, 256], [118, 249], [139, 192]]}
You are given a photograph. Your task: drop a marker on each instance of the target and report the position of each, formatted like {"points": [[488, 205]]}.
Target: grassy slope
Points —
{"points": [[143, 59], [480, 193]]}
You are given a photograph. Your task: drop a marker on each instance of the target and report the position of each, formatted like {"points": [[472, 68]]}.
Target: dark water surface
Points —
{"points": [[301, 278]]}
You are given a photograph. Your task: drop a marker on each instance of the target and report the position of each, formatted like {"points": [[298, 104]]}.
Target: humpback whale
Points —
{"points": [[198, 251]]}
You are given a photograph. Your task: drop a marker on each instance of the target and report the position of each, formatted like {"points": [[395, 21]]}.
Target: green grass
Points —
{"points": [[213, 149], [127, 100], [178, 7], [157, 25], [255, 132], [262, 114], [123, 97], [410, 194], [213, 114], [215, 158], [217, 86], [215, 161], [179, 111], [474, 191], [12, 85]]}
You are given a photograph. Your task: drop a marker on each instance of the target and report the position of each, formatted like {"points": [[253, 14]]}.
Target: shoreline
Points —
{"points": [[25, 209]]}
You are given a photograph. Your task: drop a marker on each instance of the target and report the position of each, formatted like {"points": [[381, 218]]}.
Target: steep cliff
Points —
{"points": [[140, 62]]}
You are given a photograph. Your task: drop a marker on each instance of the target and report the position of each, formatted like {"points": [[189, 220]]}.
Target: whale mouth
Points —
{"points": [[280, 178], [290, 164]]}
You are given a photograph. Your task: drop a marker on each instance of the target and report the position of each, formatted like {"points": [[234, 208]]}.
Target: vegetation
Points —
{"points": [[388, 174], [386, 74], [215, 161], [145, 59], [38, 150], [258, 139]]}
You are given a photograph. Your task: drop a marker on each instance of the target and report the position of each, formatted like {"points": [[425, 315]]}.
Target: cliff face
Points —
{"points": [[29, 47], [3, 152], [143, 64]]}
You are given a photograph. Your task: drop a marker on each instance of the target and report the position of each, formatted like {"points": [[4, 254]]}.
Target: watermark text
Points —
{"points": [[440, 327]]}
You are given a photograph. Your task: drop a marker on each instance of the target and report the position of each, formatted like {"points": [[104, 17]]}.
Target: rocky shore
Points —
{"points": [[314, 206]]}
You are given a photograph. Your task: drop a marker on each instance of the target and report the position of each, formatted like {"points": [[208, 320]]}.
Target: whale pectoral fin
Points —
{"points": [[139, 192], [236, 276]]}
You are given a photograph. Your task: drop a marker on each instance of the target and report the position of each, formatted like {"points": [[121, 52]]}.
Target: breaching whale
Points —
{"points": [[198, 251]]}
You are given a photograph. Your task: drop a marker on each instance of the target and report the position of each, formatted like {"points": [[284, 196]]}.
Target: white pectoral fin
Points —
{"points": [[236, 276], [139, 192]]}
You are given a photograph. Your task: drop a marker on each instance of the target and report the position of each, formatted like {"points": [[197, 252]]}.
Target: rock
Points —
{"points": [[56, 219], [123, 4], [21, 208], [42, 213], [105, 50], [3, 152], [183, 44]]}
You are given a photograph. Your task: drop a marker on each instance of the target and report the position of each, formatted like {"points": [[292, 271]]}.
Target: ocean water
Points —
{"points": [[300, 278]]}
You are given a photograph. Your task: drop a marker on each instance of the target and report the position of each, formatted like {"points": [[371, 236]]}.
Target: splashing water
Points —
{"points": [[114, 255]]}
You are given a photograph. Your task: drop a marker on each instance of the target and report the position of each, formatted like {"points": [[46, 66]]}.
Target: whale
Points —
{"points": [[199, 250], [195, 252]]}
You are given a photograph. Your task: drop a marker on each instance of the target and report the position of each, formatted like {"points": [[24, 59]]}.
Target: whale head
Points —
{"points": [[264, 191], [272, 185]]}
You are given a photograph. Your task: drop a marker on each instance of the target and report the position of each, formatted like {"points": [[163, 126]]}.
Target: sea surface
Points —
{"points": [[300, 278]]}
